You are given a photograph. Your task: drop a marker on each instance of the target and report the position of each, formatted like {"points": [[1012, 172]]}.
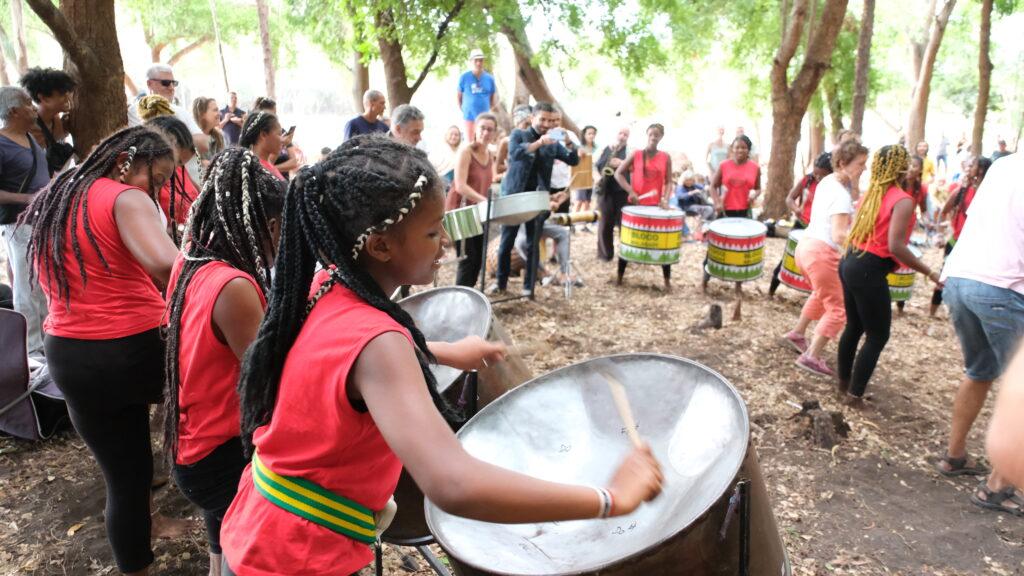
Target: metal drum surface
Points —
{"points": [[514, 209], [696, 424], [790, 274], [650, 235], [462, 223], [901, 281], [736, 249], [449, 314]]}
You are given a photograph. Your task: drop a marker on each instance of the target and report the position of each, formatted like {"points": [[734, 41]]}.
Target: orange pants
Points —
{"points": [[820, 265]]}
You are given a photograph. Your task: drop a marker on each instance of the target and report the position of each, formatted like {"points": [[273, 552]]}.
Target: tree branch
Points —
{"points": [[188, 49], [787, 48], [818, 58], [441, 31], [79, 54]]}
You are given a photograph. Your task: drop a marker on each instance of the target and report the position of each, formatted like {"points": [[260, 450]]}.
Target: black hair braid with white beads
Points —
{"points": [[256, 123], [67, 198], [179, 135], [359, 187], [229, 222]]}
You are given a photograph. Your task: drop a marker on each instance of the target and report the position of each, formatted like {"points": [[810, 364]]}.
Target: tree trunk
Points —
{"points": [[919, 41], [395, 73], [87, 31], [984, 77], [188, 49], [503, 116], [4, 41], [18, 22], [268, 51], [863, 67], [790, 99], [360, 80], [530, 74], [835, 107], [521, 96], [156, 52], [922, 90], [817, 126]]}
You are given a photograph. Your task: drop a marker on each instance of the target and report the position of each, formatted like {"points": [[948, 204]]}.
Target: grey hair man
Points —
{"points": [[407, 124], [23, 172], [369, 122], [160, 81]]}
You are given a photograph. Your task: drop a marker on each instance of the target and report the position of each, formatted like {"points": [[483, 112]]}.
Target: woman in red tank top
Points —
{"points": [[102, 256], [178, 193], [261, 133], [474, 174], [738, 175], [336, 392], [215, 305], [877, 243]]}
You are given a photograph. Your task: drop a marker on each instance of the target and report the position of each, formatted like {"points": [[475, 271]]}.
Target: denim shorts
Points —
{"points": [[989, 321]]}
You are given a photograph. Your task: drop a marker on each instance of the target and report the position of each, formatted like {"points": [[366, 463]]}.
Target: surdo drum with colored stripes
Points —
{"points": [[790, 274], [650, 235], [736, 249], [901, 280]]}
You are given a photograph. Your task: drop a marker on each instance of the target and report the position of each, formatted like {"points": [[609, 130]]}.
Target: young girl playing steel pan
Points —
{"points": [[216, 297], [336, 391]]}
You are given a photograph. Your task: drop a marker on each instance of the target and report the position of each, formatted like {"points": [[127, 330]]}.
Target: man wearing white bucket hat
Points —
{"points": [[477, 92]]}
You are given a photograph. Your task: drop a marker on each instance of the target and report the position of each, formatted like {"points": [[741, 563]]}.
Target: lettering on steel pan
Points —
{"points": [[619, 531], [623, 429]]}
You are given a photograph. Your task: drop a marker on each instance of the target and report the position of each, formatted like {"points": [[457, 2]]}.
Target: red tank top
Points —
{"points": [[739, 180], [207, 368], [878, 243], [960, 217], [272, 169], [114, 303], [181, 203], [810, 184], [649, 176], [479, 178], [316, 434]]}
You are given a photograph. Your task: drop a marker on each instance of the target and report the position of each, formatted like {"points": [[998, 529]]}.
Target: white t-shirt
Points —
{"points": [[991, 245], [561, 175], [830, 198]]}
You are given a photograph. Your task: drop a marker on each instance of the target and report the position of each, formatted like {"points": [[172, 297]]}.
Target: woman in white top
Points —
{"points": [[818, 255]]}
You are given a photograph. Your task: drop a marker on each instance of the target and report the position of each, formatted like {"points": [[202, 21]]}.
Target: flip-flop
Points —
{"points": [[994, 499], [959, 467]]}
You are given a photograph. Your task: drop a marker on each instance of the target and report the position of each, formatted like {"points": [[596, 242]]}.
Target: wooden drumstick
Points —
{"points": [[622, 403]]}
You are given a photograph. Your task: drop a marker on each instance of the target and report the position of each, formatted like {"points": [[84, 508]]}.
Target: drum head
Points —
{"points": [[653, 212], [738, 227], [796, 235], [564, 427], [446, 315]]}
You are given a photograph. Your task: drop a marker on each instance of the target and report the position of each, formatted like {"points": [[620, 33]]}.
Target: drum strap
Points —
{"points": [[314, 503]]}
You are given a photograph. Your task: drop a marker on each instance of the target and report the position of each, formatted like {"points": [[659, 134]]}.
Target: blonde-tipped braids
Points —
{"points": [[887, 168]]}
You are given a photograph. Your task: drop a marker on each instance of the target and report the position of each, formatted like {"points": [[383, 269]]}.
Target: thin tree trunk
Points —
{"points": [[984, 76], [268, 51], [4, 41], [87, 31], [188, 49], [521, 95], [156, 52], [360, 80], [817, 127], [919, 41], [395, 73], [791, 99], [531, 74], [835, 107], [863, 67], [220, 46], [922, 90], [18, 22]]}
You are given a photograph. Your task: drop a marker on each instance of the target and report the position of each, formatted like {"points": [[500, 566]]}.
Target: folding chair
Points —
{"points": [[31, 405]]}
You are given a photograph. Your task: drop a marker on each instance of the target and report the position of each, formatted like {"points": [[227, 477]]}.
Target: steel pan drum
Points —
{"points": [[515, 208], [901, 281], [736, 249], [790, 274], [696, 424], [449, 314], [462, 223]]}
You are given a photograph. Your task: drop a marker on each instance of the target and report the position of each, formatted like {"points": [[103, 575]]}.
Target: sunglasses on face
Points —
{"points": [[166, 83]]}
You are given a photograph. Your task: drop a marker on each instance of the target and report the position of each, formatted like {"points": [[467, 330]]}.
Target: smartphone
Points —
{"points": [[291, 130], [556, 134]]}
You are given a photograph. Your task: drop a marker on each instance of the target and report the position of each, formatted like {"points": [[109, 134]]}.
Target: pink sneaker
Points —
{"points": [[797, 341], [814, 365]]}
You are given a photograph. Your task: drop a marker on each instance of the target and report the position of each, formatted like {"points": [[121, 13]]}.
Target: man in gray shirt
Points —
{"points": [[23, 172]]}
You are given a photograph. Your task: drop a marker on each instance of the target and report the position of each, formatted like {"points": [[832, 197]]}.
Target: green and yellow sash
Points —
{"points": [[314, 503]]}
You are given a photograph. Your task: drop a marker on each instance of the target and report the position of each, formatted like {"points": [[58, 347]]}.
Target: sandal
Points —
{"points": [[958, 467], [997, 499]]}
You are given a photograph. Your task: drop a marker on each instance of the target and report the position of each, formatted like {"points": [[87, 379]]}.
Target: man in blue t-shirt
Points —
{"points": [[477, 92], [369, 122]]}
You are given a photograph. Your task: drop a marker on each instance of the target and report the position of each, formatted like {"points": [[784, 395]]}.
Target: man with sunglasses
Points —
{"points": [[160, 81]]}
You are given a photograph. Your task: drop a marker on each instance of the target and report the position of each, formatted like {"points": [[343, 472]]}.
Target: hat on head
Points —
{"points": [[476, 54]]}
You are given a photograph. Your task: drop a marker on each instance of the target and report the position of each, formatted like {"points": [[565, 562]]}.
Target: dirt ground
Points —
{"points": [[873, 505]]}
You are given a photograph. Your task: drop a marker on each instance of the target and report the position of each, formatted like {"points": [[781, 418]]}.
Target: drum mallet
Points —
{"points": [[622, 404]]}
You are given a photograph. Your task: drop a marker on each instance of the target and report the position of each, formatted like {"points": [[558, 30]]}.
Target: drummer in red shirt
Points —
{"points": [[179, 186], [650, 184], [739, 176]]}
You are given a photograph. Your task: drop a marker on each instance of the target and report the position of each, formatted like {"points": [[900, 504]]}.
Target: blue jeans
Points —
{"points": [[989, 322]]}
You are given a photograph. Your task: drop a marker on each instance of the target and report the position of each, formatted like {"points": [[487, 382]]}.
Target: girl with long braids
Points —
{"points": [[336, 392], [261, 133], [178, 193], [215, 305], [102, 255], [877, 243]]}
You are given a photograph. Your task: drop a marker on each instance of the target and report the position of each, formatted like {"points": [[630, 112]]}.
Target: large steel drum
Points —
{"points": [[714, 516], [512, 209], [449, 314]]}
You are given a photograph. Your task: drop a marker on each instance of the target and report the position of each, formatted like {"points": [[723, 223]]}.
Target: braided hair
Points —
{"points": [[229, 222], [257, 123], [177, 133], [357, 189], [154, 105], [67, 198], [888, 166], [984, 164]]}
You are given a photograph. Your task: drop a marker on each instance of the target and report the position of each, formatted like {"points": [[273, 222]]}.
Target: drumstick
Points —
{"points": [[622, 403], [647, 195]]}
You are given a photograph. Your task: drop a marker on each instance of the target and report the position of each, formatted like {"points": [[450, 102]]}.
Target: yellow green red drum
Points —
{"points": [[791, 275], [736, 249], [901, 281], [650, 235]]}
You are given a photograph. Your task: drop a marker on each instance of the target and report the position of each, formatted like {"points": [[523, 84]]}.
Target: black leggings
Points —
{"points": [[868, 313], [211, 484], [468, 273], [937, 293], [108, 386]]}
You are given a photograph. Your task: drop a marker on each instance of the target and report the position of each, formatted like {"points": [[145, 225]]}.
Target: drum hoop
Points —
{"points": [[654, 545], [653, 212], [716, 226]]}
